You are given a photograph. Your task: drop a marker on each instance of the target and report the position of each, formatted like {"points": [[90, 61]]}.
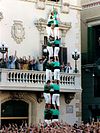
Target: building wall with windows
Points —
{"points": [[23, 27], [90, 20]]}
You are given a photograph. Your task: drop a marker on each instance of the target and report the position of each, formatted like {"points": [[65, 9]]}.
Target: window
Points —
{"points": [[63, 55]]}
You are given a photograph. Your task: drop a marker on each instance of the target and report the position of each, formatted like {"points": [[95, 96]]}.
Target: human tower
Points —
{"points": [[52, 87]]}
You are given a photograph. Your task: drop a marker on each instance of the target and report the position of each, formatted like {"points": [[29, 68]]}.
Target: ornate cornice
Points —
{"points": [[41, 24], [18, 31], [1, 16], [16, 95], [69, 97], [40, 97], [90, 5]]}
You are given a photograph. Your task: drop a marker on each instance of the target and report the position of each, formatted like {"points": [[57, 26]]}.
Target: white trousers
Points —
{"points": [[50, 50], [48, 75], [53, 33], [47, 121], [55, 99], [56, 32], [56, 74], [56, 51], [48, 31], [47, 97], [55, 120]]}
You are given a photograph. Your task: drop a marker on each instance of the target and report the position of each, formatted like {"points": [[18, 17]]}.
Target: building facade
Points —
{"points": [[90, 20], [23, 29]]}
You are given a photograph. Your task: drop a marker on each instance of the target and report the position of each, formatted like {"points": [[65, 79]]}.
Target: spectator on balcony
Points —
{"points": [[32, 64], [62, 67], [11, 61], [68, 68], [20, 61], [40, 64], [25, 63], [17, 64]]}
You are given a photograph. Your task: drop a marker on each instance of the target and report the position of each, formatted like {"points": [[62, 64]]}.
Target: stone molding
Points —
{"points": [[90, 5], [18, 31], [40, 4], [41, 25], [1, 16], [65, 7]]}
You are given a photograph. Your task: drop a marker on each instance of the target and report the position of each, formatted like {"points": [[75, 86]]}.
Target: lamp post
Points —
{"points": [[75, 56], [3, 50]]}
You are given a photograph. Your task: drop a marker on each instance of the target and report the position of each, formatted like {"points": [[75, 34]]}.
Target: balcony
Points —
{"points": [[27, 80]]}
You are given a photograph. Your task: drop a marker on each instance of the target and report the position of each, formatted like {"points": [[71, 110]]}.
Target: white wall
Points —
{"points": [[28, 13]]}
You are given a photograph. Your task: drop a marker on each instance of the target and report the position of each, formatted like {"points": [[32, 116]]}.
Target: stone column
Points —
{"points": [[41, 26], [63, 36], [42, 35], [1, 16], [79, 106], [40, 4], [41, 38], [29, 114], [65, 6]]}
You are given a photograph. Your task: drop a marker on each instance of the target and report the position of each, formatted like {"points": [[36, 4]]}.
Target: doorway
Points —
{"points": [[14, 111]]}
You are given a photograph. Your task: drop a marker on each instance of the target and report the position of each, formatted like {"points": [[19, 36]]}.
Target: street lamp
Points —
{"points": [[3, 50], [75, 56]]}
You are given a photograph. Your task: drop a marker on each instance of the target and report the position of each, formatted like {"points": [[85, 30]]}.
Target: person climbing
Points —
{"points": [[56, 94]]}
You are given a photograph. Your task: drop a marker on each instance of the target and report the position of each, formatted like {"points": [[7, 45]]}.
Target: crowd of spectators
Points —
{"points": [[54, 127], [30, 63]]}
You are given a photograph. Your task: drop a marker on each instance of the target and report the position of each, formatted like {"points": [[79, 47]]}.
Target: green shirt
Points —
{"points": [[56, 87], [47, 88], [48, 114], [49, 65], [50, 43], [55, 112], [57, 42], [56, 64]]}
